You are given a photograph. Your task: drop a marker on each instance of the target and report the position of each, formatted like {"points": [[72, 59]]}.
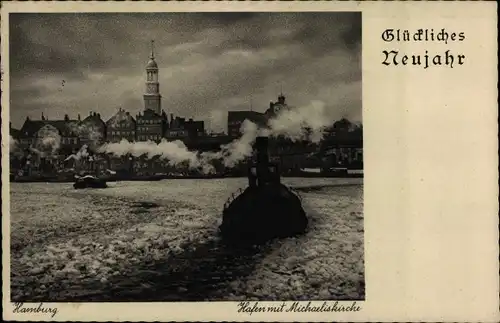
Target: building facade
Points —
{"points": [[43, 144], [176, 129], [342, 146], [92, 130], [121, 126], [150, 125], [57, 135], [195, 129], [235, 120]]}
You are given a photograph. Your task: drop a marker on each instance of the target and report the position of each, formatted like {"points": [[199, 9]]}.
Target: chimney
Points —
{"points": [[271, 104], [43, 117], [261, 147], [95, 114], [66, 117], [79, 117], [99, 115], [90, 114]]}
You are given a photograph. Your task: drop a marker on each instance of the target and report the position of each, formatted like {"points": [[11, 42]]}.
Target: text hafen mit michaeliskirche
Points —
{"points": [[254, 307]]}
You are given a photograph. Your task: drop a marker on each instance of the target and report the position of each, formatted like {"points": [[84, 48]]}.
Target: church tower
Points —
{"points": [[152, 97]]}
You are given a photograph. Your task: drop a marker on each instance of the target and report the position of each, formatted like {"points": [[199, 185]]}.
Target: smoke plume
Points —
{"points": [[12, 144], [304, 123], [47, 142], [14, 148], [297, 124], [82, 153], [175, 152], [236, 151], [91, 132], [217, 120]]}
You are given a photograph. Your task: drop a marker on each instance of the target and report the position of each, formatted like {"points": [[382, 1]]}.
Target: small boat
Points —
{"points": [[89, 181]]}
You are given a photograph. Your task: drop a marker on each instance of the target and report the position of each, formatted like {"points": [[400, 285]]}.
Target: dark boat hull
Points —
{"points": [[262, 214], [90, 184]]}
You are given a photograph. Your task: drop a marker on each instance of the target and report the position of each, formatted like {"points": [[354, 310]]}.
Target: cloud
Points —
{"points": [[208, 62], [217, 120]]}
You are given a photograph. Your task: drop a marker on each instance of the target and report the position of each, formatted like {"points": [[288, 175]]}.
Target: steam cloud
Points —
{"points": [[47, 142], [89, 131], [305, 123], [175, 151], [14, 148], [12, 144], [297, 124], [217, 120], [82, 153], [241, 148]]}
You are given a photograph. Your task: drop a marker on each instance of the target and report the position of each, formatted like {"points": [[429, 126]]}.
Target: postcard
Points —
{"points": [[250, 161]]}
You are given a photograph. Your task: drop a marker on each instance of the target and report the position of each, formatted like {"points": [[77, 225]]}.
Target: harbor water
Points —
{"points": [[157, 241]]}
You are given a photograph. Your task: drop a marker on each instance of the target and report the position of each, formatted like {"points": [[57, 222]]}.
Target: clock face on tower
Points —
{"points": [[152, 88]]}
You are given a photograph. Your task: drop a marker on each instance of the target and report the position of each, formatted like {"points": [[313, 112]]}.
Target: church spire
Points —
{"points": [[152, 97], [281, 97], [152, 50]]}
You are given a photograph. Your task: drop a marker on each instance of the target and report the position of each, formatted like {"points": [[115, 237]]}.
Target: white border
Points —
{"points": [[431, 209]]}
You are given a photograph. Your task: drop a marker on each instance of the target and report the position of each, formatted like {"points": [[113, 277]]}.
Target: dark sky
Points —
{"points": [[209, 62]]}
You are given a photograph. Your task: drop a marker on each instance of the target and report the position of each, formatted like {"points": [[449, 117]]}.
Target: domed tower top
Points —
{"points": [[152, 63]]}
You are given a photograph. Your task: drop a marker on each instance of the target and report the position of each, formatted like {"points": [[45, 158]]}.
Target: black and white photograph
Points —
{"points": [[186, 156]]}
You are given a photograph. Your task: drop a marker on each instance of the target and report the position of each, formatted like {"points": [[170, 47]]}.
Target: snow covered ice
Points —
{"points": [[157, 241]]}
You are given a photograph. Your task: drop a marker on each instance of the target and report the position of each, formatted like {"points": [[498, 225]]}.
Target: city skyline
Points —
{"points": [[208, 63]]}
